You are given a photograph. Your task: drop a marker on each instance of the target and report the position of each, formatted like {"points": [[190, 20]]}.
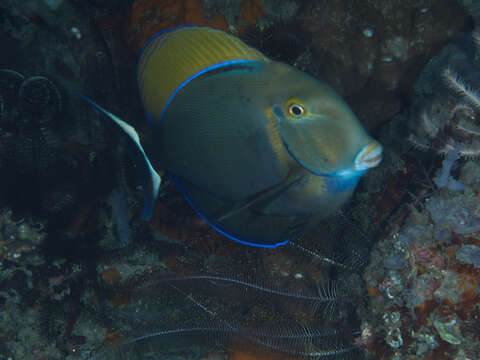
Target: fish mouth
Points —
{"points": [[369, 157]]}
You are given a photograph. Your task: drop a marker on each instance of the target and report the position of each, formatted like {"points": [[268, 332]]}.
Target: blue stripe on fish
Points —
{"points": [[203, 71], [155, 36], [340, 184], [159, 43], [180, 187]]}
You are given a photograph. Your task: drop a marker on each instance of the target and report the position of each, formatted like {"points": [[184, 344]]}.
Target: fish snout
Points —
{"points": [[370, 156]]}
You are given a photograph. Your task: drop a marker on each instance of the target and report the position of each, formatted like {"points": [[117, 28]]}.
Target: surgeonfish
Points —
{"points": [[257, 147]]}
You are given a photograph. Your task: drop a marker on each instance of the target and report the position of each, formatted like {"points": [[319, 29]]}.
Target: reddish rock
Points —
{"points": [[149, 17], [374, 48], [112, 276], [250, 11]]}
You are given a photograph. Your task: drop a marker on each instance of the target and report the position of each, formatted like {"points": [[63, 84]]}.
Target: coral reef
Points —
{"points": [[426, 284], [391, 42], [29, 144], [250, 11], [151, 16], [82, 277], [373, 51], [246, 18], [288, 304], [423, 279]]}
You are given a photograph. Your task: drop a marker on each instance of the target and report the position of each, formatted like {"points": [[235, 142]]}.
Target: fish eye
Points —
{"points": [[296, 110]]}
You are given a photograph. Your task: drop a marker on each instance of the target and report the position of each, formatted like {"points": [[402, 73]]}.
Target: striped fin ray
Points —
{"points": [[173, 58]]}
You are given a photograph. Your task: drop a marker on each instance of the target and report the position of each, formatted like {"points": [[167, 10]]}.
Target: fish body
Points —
{"points": [[257, 147]]}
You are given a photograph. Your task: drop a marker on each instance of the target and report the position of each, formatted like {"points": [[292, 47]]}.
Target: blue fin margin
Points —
{"points": [[150, 118], [234, 238]]}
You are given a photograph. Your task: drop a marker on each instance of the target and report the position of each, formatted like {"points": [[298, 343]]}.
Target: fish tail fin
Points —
{"points": [[149, 177]]}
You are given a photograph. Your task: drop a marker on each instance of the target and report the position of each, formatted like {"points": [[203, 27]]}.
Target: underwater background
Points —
{"points": [[395, 275]]}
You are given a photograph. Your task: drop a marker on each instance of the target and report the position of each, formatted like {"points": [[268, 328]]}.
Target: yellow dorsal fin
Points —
{"points": [[173, 58]]}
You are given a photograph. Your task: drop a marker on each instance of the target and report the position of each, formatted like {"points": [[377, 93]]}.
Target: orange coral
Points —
{"points": [[423, 311], [112, 276], [250, 11], [240, 355], [372, 291], [119, 300], [177, 220], [244, 351], [113, 338], [148, 17], [171, 262], [179, 223], [467, 285]]}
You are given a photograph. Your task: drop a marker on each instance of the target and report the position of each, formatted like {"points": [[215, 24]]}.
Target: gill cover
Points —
{"points": [[318, 128]]}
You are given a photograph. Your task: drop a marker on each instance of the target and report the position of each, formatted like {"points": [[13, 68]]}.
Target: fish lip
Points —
{"points": [[370, 156]]}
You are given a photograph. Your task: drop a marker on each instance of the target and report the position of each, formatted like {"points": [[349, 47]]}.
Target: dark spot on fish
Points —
{"points": [[277, 110]]}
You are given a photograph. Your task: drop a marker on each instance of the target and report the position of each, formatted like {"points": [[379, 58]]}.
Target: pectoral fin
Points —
{"points": [[263, 198], [148, 176]]}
